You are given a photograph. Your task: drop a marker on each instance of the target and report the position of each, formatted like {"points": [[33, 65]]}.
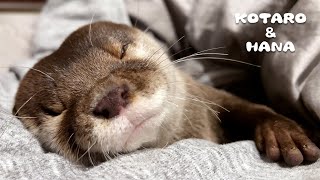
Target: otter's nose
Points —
{"points": [[111, 104]]}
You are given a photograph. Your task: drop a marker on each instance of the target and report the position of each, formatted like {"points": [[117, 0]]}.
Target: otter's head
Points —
{"points": [[106, 90]]}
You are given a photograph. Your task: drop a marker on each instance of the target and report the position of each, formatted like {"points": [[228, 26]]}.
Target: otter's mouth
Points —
{"points": [[138, 127]]}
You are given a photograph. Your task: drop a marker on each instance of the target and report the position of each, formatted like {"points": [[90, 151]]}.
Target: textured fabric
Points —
{"points": [[22, 157], [300, 71], [290, 80]]}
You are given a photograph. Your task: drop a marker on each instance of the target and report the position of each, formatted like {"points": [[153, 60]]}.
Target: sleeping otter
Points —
{"points": [[111, 89]]}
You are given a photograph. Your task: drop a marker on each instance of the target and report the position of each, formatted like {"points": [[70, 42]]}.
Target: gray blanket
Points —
{"points": [[22, 157]]}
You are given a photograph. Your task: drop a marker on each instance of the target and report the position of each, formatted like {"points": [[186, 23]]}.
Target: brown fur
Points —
{"points": [[98, 57]]}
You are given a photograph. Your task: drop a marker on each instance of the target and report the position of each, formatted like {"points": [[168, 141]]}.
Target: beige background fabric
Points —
{"points": [[16, 29]]}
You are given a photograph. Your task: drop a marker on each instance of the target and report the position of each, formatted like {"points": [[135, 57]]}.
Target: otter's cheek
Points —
{"points": [[48, 132]]}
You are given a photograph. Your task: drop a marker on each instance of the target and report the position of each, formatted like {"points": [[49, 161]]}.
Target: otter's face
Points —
{"points": [[103, 92]]}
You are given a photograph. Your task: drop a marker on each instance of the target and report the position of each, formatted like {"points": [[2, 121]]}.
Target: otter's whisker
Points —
{"points": [[164, 128], [197, 55], [177, 106], [164, 52], [148, 59], [213, 111], [204, 51], [16, 113], [208, 102], [204, 103], [104, 152], [138, 10], [34, 69], [73, 144], [216, 58], [165, 145], [86, 151], [78, 151], [90, 159], [182, 50], [70, 138], [8, 114], [188, 84], [194, 54], [90, 29], [198, 100], [25, 117]]}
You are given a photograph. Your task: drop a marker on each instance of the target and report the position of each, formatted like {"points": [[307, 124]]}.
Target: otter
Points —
{"points": [[111, 89]]}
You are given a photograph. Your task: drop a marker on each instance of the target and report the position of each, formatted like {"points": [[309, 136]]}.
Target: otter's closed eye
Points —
{"points": [[123, 50], [50, 112]]}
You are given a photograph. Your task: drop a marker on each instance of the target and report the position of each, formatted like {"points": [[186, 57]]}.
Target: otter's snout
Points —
{"points": [[114, 101]]}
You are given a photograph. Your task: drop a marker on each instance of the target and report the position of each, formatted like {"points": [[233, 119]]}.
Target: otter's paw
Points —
{"points": [[282, 137]]}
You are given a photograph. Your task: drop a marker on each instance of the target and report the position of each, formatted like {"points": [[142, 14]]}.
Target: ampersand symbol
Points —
{"points": [[270, 33]]}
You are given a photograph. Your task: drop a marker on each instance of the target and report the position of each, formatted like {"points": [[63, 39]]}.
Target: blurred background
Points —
{"points": [[17, 18]]}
